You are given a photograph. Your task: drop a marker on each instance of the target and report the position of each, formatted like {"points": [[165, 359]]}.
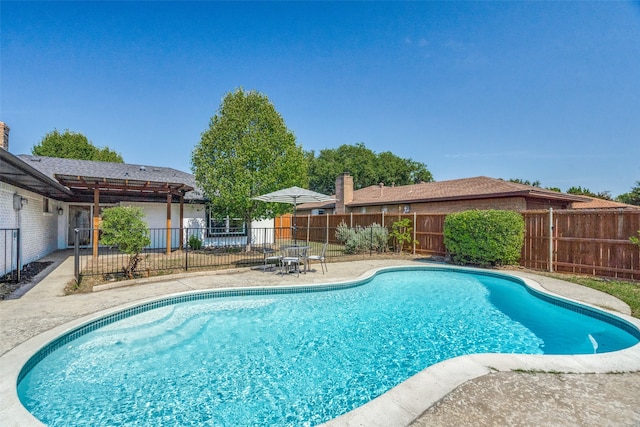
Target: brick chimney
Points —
{"points": [[344, 192], [4, 133]]}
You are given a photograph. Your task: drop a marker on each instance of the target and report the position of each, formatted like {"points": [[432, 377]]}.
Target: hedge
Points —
{"points": [[485, 238]]}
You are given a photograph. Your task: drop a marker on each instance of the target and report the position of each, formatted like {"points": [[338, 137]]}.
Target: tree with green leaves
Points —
{"points": [[632, 197], [366, 167], [401, 233], [124, 228], [525, 182], [247, 151], [73, 145], [586, 192], [535, 183]]}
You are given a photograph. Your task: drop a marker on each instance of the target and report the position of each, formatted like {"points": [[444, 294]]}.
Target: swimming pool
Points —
{"points": [[393, 331]]}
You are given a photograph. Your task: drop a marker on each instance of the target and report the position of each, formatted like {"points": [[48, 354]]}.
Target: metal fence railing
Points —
{"points": [[189, 249], [10, 255]]}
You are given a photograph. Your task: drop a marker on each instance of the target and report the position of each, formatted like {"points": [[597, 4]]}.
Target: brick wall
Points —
{"points": [[8, 219], [38, 230], [4, 136], [512, 203], [344, 192]]}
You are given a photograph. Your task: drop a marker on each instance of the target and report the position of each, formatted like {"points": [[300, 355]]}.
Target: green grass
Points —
{"points": [[629, 292]]}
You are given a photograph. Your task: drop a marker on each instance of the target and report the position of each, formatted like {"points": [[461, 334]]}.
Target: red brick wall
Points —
{"points": [[512, 203]]}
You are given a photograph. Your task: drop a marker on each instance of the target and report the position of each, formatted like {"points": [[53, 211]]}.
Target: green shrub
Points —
{"points": [[124, 228], [195, 243], [484, 238], [362, 239], [635, 240], [401, 232]]}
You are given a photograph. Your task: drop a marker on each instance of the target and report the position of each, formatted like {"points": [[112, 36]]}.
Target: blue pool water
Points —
{"points": [[297, 359]]}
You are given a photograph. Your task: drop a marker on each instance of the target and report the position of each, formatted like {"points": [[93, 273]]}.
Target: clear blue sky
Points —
{"points": [[546, 91]]}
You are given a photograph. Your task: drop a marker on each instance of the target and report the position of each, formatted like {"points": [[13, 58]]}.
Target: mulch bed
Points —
{"points": [[28, 272]]}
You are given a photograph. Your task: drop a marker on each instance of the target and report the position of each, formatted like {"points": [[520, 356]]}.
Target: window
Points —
{"points": [[225, 226]]}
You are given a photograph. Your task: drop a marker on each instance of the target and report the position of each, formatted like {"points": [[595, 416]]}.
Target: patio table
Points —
{"points": [[294, 254]]}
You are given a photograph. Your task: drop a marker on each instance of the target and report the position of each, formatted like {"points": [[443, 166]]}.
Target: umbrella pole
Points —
{"points": [[295, 223]]}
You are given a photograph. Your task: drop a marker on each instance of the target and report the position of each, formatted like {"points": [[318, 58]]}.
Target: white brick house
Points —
{"points": [[47, 198]]}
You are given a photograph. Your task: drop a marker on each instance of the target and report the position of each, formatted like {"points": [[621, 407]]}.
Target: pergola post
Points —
{"points": [[168, 223], [96, 220], [181, 220]]}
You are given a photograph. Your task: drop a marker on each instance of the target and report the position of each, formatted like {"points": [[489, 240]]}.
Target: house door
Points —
{"points": [[79, 217]]}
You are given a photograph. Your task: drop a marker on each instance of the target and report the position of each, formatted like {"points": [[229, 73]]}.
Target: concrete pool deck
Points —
{"points": [[487, 390]]}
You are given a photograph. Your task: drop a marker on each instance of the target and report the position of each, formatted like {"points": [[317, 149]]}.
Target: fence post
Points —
{"points": [[186, 251], [415, 219], [327, 232], [76, 255], [18, 254], [551, 240]]}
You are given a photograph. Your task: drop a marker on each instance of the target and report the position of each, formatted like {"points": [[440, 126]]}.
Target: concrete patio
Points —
{"points": [[471, 390]]}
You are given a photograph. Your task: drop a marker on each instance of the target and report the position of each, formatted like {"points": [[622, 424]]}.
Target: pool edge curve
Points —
{"points": [[402, 404]]}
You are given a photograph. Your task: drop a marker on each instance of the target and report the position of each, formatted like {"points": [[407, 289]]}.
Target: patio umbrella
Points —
{"points": [[295, 196]]}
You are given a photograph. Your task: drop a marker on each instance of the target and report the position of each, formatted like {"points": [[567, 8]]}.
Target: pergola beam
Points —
{"points": [[117, 189]]}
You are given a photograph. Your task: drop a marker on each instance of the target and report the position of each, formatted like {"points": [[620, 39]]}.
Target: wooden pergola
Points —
{"points": [[113, 190]]}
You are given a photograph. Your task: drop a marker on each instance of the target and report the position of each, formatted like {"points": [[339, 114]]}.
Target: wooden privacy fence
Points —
{"points": [[592, 242], [427, 228]]}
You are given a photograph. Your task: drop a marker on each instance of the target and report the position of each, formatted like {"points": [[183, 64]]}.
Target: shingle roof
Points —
{"points": [[466, 188], [596, 203], [15, 171], [55, 167], [456, 189]]}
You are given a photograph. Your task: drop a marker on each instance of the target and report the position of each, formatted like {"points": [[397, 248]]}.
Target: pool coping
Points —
{"points": [[399, 406]]}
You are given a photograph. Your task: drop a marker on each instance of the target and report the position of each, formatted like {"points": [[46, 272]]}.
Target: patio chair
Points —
{"points": [[272, 258], [320, 257]]}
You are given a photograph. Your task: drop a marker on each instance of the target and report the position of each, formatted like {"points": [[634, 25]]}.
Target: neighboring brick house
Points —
{"points": [[596, 203], [441, 197]]}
